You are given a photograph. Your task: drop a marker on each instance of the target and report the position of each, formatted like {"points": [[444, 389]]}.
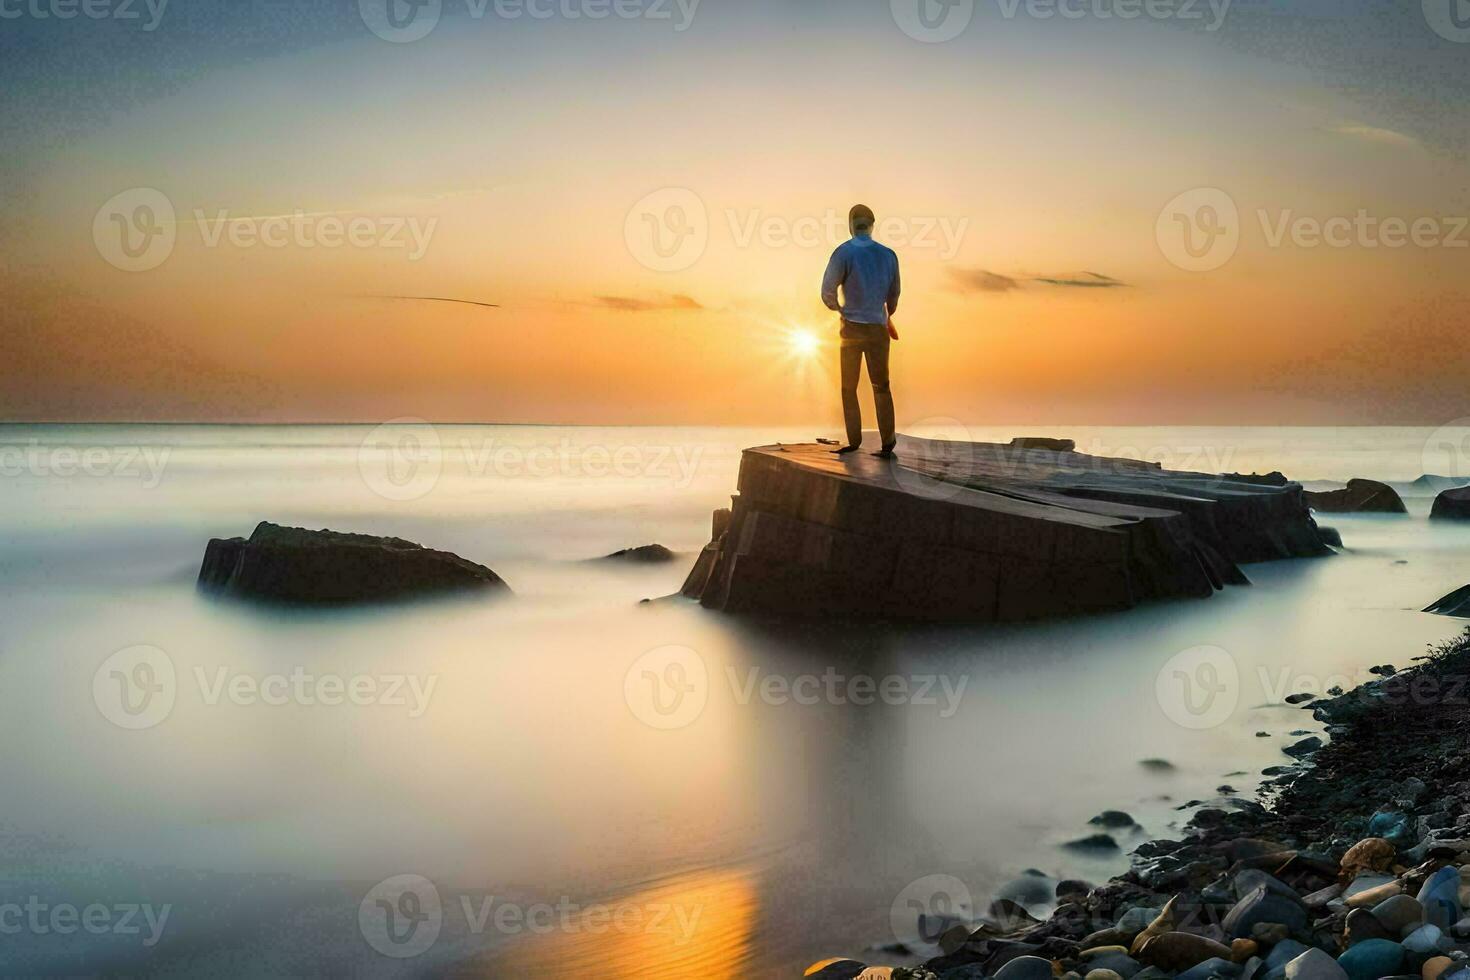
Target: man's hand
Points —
{"points": [[892, 330]]}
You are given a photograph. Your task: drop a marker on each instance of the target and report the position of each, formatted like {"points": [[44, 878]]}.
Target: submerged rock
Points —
{"points": [[1457, 603], [1093, 842], [643, 554], [295, 565], [1452, 505], [1358, 497]]}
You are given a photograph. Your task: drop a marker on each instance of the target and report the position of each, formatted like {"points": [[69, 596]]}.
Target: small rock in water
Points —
{"points": [[1113, 818], [1073, 886], [1157, 765], [643, 554], [1093, 842], [1263, 734], [1305, 747], [1372, 959], [1225, 788], [1299, 698]]}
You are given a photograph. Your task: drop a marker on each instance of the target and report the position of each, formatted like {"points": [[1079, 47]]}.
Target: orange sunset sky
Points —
{"points": [[1022, 168]]}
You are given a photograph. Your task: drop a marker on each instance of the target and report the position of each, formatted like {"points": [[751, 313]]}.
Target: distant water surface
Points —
{"points": [[567, 824]]}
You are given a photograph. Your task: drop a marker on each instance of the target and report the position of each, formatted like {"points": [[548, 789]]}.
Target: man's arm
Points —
{"points": [[893, 289], [836, 273]]}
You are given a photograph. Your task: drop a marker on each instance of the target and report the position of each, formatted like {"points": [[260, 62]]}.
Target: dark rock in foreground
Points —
{"points": [[1358, 497], [1452, 505], [295, 565], [644, 554], [982, 532], [1457, 603]]}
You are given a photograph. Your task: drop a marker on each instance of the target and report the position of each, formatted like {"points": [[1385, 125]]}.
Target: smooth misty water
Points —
{"points": [[523, 769]]}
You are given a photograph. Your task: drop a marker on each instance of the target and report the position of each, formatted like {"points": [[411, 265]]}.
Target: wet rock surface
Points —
{"points": [[959, 531], [294, 565], [1355, 866], [1358, 497], [1452, 505]]}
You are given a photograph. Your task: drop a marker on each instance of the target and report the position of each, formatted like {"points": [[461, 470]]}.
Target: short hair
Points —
{"points": [[861, 216]]}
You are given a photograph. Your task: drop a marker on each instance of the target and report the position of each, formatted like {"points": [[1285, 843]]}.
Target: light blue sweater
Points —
{"points": [[868, 275]]}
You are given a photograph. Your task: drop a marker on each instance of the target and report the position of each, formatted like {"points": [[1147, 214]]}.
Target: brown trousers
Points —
{"points": [[859, 341]]}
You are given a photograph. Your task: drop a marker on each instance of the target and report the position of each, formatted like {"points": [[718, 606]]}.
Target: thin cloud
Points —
{"points": [[985, 281], [434, 299], [1084, 280], [629, 304], [1375, 134]]}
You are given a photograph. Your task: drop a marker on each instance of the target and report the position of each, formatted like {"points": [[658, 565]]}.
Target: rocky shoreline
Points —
{"points": [[1352, 866]]}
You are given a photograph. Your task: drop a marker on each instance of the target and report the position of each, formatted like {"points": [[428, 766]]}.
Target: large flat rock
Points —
{"points": [[984, 532]]}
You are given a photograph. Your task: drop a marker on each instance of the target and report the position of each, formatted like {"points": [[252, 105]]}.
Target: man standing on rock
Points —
{"points": [[868, 275]]}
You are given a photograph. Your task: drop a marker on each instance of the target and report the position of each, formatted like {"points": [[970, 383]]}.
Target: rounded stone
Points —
{"points": [[1314, 964], [1434, 966], [1398, 913], [1103, 975], [1362, 924], [1372, 959], [1264, 905], [1026, 968]]}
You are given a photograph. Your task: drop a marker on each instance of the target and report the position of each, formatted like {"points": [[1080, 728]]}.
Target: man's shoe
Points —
{"points": [[886, 453], [846, 449]]}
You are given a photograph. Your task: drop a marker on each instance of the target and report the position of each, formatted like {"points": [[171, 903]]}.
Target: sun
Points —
{"points": [[803, 343]]}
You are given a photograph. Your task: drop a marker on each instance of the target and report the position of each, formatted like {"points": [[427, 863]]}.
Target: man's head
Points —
{"points": [[860, 220]]}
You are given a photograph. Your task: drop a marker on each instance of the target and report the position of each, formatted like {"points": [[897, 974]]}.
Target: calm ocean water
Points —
{"points": [[490, 788]]}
